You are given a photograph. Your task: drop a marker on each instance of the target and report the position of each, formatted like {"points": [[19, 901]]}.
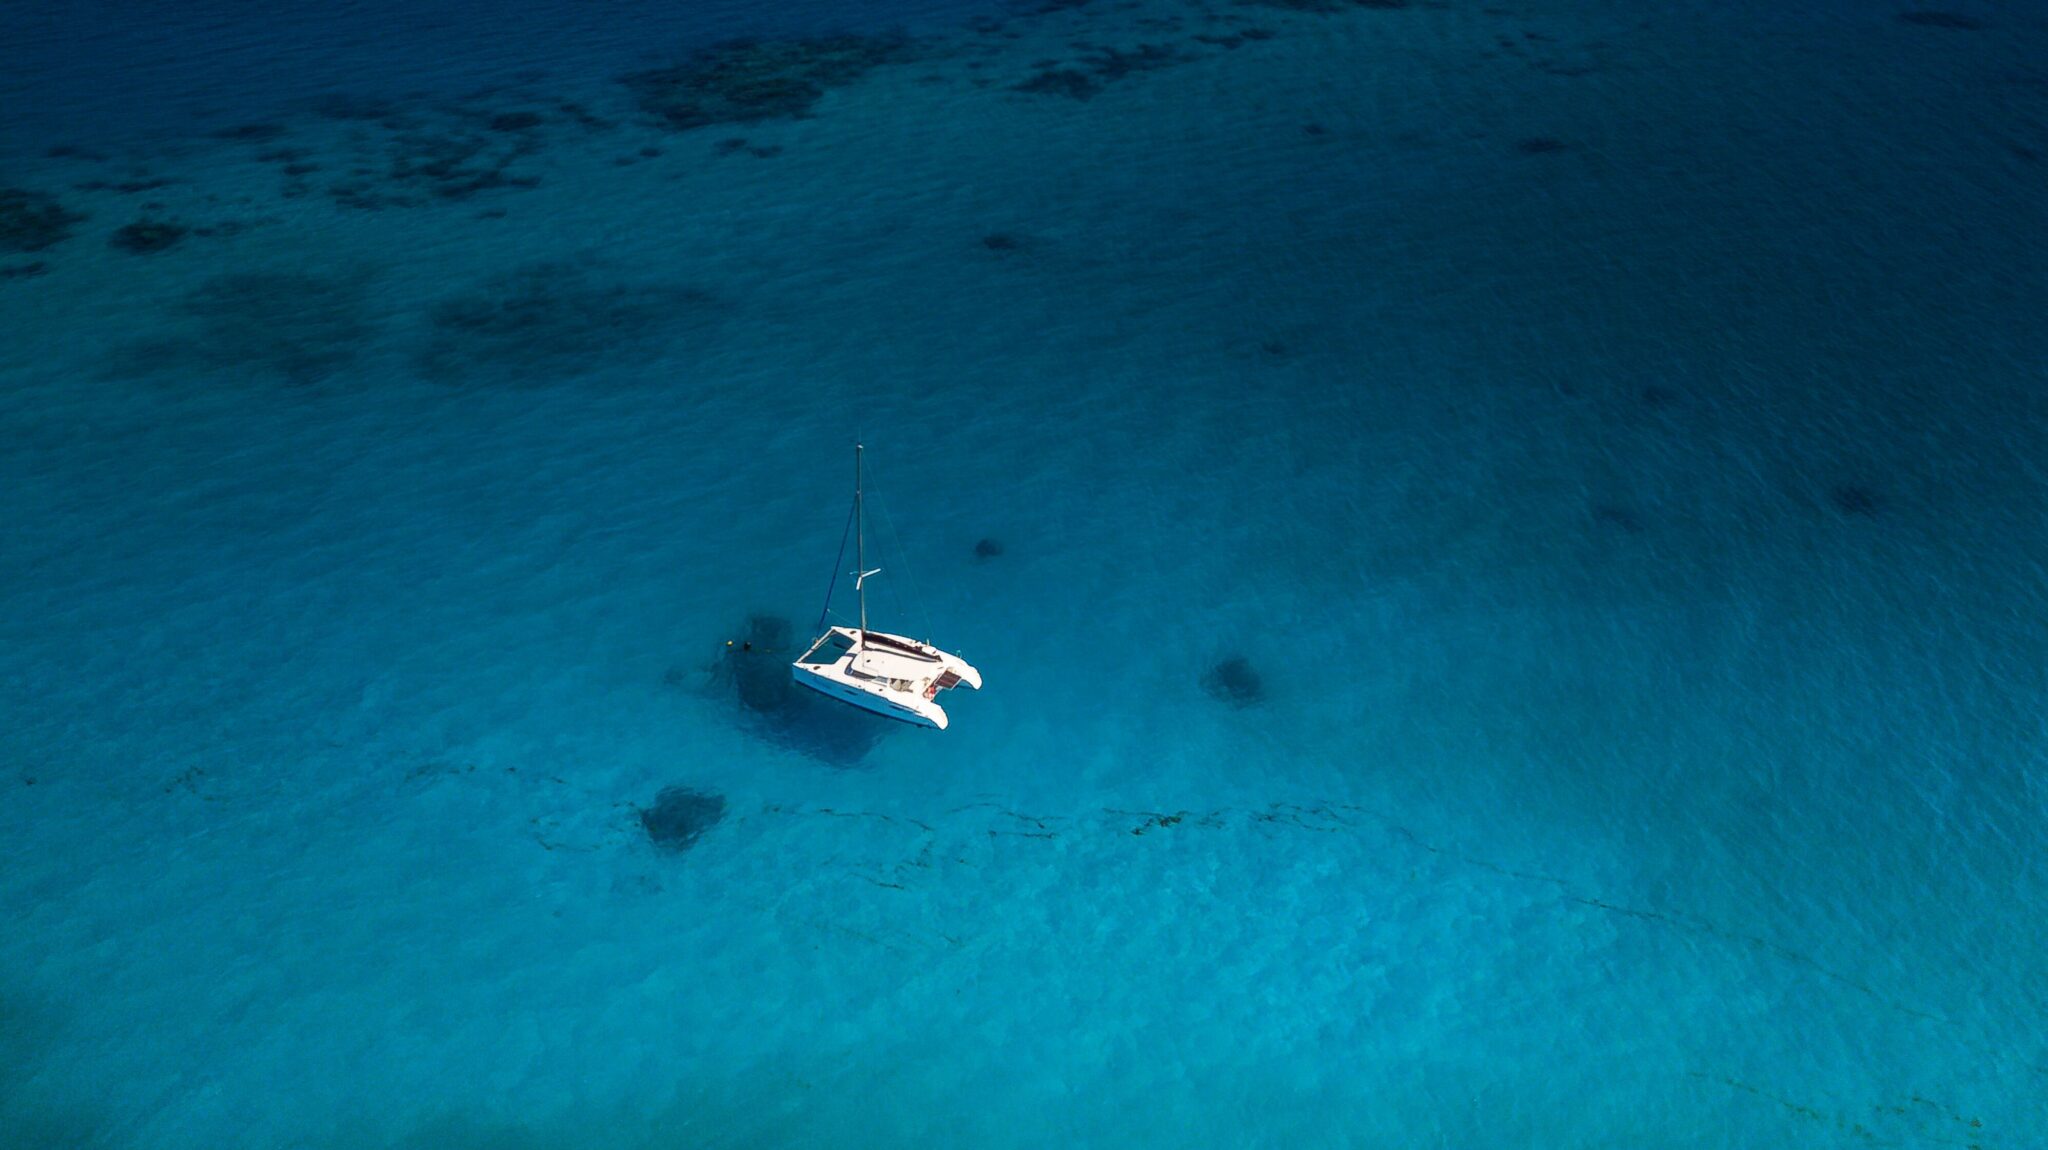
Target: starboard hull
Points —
{"points": [[930, 716]]}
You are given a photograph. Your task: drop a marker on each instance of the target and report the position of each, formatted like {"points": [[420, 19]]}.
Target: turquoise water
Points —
{"points": [[1611, 440]]}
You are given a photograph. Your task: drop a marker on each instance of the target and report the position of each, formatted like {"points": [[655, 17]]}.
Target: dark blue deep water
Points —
{"points": [[1506, 541]]}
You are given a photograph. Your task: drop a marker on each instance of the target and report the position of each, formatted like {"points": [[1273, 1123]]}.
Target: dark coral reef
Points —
{"points": [[289, 325], [1098, 68], [1855, 499], [148, 236], [551, 320], [680, 816], [747, 81], [451, 162], [33, 221], [1235, 681]]}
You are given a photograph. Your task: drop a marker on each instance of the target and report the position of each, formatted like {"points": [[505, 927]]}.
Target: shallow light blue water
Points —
{"points": [[1613, 441]]}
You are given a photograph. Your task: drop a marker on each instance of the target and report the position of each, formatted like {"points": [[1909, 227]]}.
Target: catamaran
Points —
{"points": [[890, 675]]}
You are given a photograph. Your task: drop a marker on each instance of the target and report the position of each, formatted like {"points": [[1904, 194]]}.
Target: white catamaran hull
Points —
{"points": [[890, 675]]}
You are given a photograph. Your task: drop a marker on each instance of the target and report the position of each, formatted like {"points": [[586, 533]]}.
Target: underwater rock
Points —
{"points": [[680, 816], [515, 121], [450, 157], [1617, 517], [1234, 681], [455, 165], [147, 237], [747, 81], [257, 133], [360, 197], [1061, 82], [1114, 64], [1103, 66], [1855, 499], [987, 548], [584, 117], [32, 221]]}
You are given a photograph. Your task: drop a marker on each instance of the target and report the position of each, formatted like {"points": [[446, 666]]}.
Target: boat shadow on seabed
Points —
{"points": [[754, 668]]}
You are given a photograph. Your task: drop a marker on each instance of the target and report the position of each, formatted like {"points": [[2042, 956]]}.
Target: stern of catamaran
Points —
{"points": [[960, 674]]}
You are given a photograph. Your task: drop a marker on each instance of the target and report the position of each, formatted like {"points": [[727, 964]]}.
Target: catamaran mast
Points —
{"points": [[860, 564]]}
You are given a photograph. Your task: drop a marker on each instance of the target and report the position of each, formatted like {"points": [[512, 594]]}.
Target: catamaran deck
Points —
{"points": [[885, 673]]}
